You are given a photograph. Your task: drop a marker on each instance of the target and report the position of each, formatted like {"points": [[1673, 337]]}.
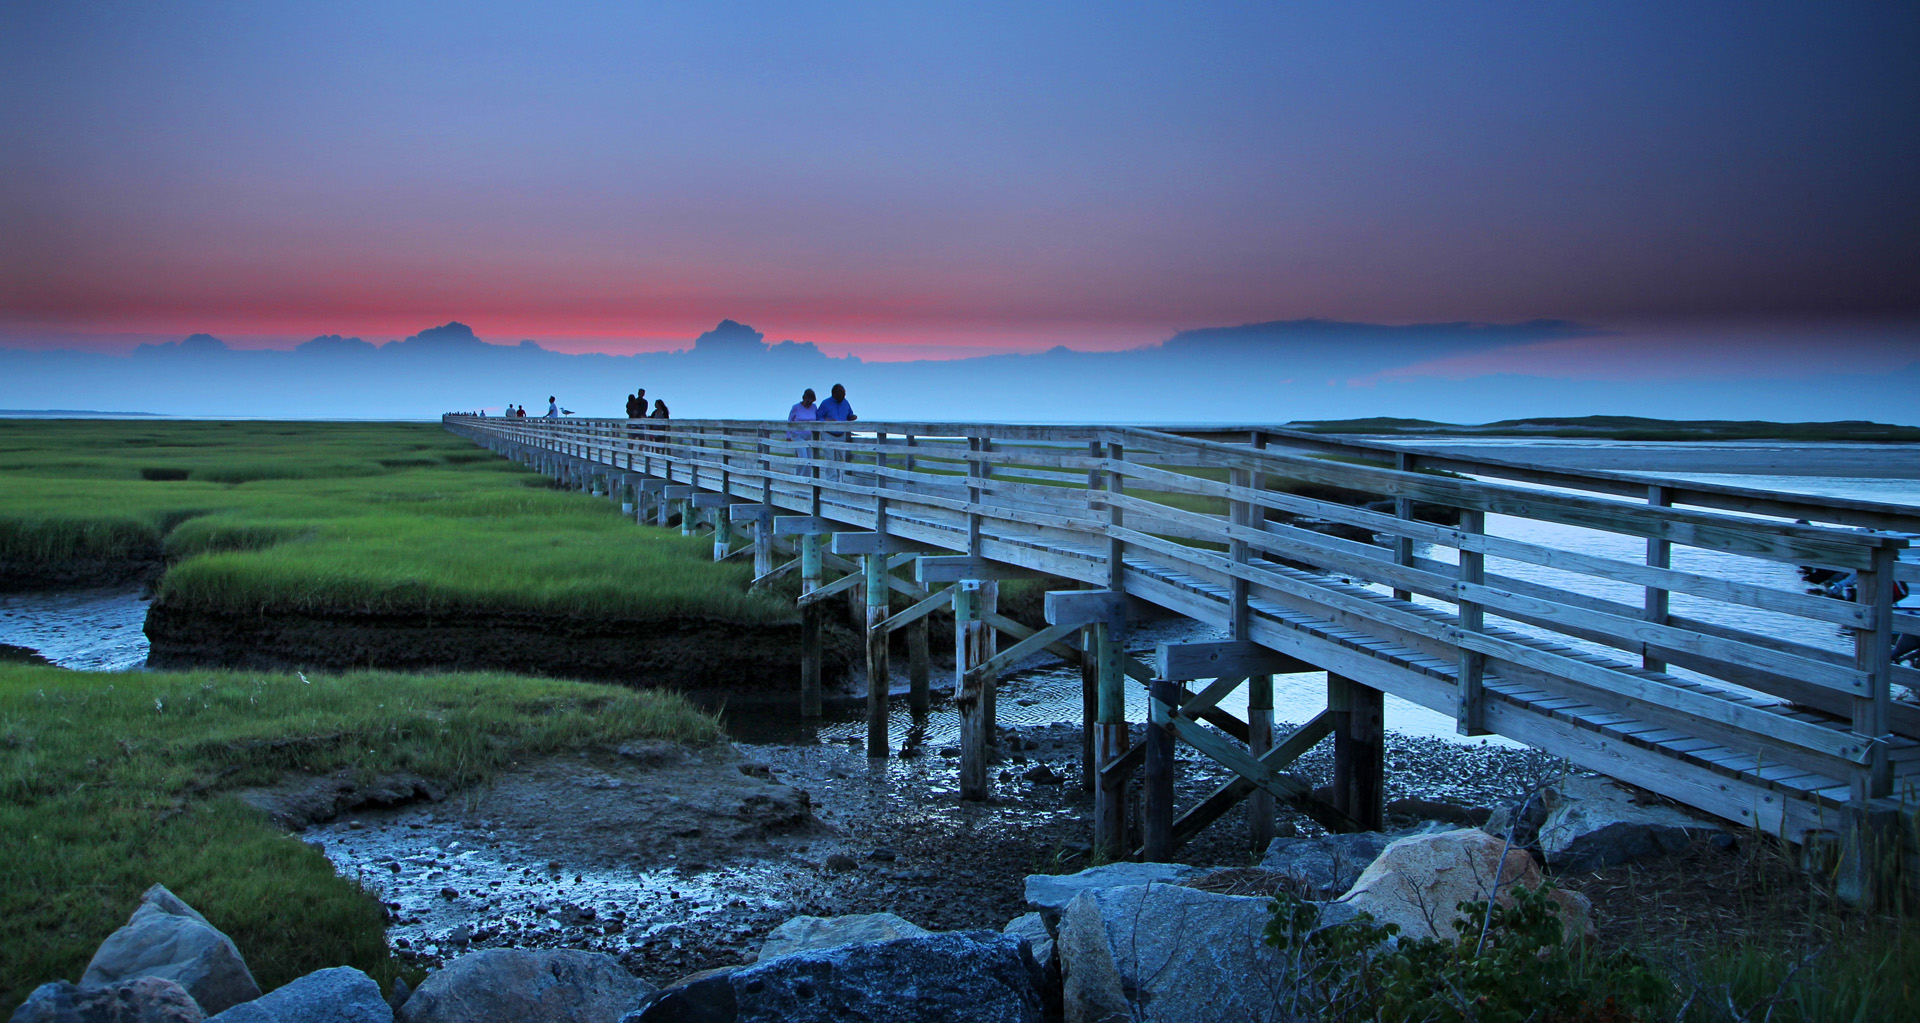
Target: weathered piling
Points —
{"points": [[1359, 749]]}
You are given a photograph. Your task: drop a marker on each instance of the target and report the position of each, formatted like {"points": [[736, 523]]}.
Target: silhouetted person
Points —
{"points": [[659, 410], [633, 409], [553, 408]]}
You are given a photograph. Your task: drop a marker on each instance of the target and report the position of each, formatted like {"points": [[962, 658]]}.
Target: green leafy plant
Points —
{"points": [[1509, 964]]}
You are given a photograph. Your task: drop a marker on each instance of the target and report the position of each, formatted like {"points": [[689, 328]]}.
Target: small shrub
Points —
{"points": [[163, 472], [1521, 971]]}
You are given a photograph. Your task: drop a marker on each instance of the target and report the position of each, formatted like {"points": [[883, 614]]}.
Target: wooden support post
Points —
{"points": [[1110, 742], [810, 622], [722, 535], [919, 670], [1469, 709], [1260, 809], [1359, 750], [1089, 707], [1659, 555], [762, 547], [878, 679], [1156, 816], [969, 641]]}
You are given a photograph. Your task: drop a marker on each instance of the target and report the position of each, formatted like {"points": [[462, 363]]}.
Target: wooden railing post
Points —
{"points": [[1403, 510], [1873, 655], [1090, 659], [1659, 555], [1260, 806], [1469, 708]]}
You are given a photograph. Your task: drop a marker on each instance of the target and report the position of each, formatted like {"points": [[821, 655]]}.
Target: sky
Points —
{"points": [[904, 181]]}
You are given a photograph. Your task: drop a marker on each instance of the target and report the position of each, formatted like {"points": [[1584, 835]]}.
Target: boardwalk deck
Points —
{"points": [[1721, 683]]}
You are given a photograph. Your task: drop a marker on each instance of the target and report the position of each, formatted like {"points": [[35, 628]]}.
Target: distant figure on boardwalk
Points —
{"points": [[659, 410], [636, 406], [553, 408], [804, 412]]}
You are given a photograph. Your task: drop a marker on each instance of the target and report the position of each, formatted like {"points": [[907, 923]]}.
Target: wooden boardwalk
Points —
{"points": [[1697, 666]]}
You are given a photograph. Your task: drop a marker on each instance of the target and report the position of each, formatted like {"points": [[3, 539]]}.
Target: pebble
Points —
{"points": [[840, 863], [883, 855], [449, 893]]}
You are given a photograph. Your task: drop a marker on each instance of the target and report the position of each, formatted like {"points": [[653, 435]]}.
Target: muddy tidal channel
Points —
{"points": [[675, 860]]}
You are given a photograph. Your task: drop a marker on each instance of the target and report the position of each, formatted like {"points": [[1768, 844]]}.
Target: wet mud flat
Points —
{"points": [[87, 630], [678, 860], [677, 652]]}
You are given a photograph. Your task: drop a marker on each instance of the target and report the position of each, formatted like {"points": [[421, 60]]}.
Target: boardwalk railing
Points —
{"points": [[1654, 629]]}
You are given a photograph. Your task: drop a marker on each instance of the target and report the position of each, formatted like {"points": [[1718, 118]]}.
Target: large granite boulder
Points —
{"points": [[1170, 954], [141, 1000], [1419, 881], [527, 986], [1029, 927], [1329, 865], [1594, 822], [1049, 894], [339, 995], [805, 932], [946, 977], [166, 938]]}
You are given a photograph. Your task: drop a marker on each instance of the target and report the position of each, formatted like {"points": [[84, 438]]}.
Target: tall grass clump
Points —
{"points": [[112, 782]]}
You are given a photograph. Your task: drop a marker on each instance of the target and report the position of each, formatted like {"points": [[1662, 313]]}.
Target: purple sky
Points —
{"points": [[988, 177]]}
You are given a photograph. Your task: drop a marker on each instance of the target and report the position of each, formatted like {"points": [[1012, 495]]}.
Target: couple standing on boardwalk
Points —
{"points": [[834, 410], [637, 406]]}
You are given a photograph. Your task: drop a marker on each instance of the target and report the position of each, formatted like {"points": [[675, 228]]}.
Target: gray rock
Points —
{"points": [[398, 996], [1050, 893], [527, 986], [1033, 930], [1523, 819], [1329, 864], [1594, 823], [340, 995], [1168, 954], [807, 932], [1091, 989], [166, 938], [1420, 881], [142, 1000], [948, 977]]}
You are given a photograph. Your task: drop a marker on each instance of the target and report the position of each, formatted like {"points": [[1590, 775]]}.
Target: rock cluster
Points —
{"points": [[1120, 943]]}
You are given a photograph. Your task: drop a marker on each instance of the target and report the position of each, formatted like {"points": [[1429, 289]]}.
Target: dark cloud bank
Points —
{"points": [[1268, 372]]}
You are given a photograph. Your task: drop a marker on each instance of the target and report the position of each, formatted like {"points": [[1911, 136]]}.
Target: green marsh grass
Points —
{"points": [[363, 517], [112, 782]]}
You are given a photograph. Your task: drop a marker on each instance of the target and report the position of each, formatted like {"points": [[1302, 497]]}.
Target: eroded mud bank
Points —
{"points": [[682, 653]]}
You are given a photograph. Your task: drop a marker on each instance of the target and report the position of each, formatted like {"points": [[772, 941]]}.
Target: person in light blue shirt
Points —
{"points": [[553, 408]]}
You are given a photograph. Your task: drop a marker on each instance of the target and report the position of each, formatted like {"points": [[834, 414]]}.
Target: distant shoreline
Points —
{"points": [[1627, 428]]}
